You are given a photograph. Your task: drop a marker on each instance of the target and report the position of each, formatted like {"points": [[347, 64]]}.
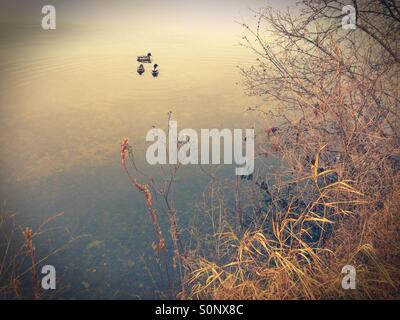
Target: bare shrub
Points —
{"points": [[332, 96]]}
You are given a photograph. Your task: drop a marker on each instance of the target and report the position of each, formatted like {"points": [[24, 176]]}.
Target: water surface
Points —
{"points": [[68, 96]]}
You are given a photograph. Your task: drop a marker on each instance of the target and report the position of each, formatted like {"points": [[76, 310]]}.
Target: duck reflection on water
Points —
{"points": [[140, 69]]}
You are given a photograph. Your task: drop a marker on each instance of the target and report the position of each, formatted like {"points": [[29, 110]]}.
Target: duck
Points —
{"points": [[154, 72], [146, 58], [140, 69]]}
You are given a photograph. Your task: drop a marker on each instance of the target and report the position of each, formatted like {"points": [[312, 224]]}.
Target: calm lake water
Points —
{"points": [[67, 98]]}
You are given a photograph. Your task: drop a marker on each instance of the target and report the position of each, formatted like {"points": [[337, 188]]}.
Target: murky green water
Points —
{"points": [[67, 97]]}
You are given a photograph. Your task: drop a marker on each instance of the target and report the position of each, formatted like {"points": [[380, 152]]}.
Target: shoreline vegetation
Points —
{"points": [[332, 198], [24, 250]]}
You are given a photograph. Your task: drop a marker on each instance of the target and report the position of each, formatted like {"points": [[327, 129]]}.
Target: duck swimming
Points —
{"points": [[146, 59], [154, 72], [140, 69]]}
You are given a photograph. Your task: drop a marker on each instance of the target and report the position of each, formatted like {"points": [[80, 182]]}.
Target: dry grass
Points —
{"points": [[332, 200], [277, 259], [20, 261]]}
